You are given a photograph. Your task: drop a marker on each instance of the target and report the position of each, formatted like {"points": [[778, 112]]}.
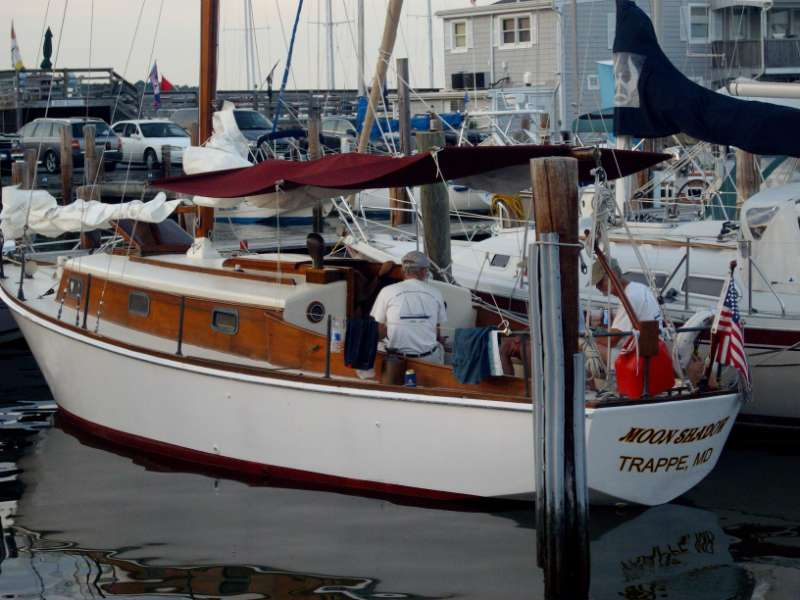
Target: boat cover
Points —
{"points": [[653, 99], [44, 216], [501, 169]]}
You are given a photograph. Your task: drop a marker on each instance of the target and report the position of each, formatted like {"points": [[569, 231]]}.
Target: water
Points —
{"points": [[84, 521]]}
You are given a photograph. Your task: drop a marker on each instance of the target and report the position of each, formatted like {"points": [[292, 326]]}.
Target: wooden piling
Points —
{"points": [[747, 182], [194, 134], [398, 198], [29, 174], [65, 162], [92, 159], [166, 160], [315, 152], [89, 192], [17, 173], [435, 210], [561, 512]]}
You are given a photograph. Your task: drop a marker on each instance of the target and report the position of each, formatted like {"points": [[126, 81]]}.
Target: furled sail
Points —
{"points": [[502, 169], [44, 216], [653, 99]]}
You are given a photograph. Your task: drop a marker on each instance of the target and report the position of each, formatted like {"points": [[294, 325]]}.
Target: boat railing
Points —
{"points": [[745, 249]]}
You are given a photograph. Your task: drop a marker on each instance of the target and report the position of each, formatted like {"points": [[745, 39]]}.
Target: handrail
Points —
{"points": [[753, 263]]}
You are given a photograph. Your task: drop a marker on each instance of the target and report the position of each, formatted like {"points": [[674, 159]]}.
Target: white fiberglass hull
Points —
{"points": [[335, 433]]}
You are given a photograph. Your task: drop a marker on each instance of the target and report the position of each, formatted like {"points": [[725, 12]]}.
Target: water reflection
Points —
{"points": [[82, 521]]}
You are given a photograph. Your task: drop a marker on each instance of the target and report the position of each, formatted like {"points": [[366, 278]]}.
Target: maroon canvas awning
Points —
{"points": [[503, 167]]}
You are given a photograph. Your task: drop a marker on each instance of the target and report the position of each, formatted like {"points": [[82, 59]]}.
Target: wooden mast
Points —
{"points": [[384, 54], [209, 29]]}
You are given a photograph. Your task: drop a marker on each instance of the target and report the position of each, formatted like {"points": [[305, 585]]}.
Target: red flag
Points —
{"points": [[244, 246], [166, 86]]}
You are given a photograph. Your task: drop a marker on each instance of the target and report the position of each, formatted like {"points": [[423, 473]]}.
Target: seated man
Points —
{"points": [[410, 313], [641, 299]]}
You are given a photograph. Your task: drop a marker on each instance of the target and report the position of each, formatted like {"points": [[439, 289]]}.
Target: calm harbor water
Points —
{"points": [[85, 521]]}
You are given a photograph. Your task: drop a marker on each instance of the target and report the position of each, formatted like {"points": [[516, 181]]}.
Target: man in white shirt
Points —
{"points": [[410, 313], [641, 299]]}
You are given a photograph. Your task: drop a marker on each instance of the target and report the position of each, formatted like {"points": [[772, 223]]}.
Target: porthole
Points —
{"points": [[225, 320], [139, 304], [315, 312]]}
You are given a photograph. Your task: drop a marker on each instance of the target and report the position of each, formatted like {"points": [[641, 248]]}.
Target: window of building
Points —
{"points": [[518, 31], [699, 24], [778, 23], [459, 36], [592, 82], [740, 24], [139, 304], [225, 320], [611, 28], [707, 286], [795, 25]]}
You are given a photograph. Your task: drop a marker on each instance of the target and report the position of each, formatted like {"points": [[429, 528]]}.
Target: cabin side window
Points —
{"points": [[139, 304], [500, 260], [707, 286], [74, 287], [225, 320]]}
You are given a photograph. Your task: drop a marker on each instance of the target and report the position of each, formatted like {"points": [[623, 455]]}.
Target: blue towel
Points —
{"points": [[361, 343], [471, 358]]}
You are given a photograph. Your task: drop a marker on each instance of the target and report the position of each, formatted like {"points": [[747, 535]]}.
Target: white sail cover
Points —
{"points": [[47, 218], [225, 149]]}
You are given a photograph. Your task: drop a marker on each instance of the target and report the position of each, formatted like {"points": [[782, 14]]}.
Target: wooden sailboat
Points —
{"points": [[226, 362]]}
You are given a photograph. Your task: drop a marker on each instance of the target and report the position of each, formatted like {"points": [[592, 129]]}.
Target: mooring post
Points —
{"points": [[65, 163], [398, 197], [166, 160], [435, 209], [29, 174], [561, 446], [17, 173], [93, 160], [315, 152]]}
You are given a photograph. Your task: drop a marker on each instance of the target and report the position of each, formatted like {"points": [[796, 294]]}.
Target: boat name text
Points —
{"points": [[650, 435]]}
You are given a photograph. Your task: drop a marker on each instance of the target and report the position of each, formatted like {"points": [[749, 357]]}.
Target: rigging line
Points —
{"points": [[255, 45], [578, 78], [46, 110], [91, 40]]}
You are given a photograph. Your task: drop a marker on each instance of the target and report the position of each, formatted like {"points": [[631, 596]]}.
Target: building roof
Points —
{"points": [[499, 7]]}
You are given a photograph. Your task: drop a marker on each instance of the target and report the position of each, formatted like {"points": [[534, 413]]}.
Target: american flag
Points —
{"points": [[730, 334]]}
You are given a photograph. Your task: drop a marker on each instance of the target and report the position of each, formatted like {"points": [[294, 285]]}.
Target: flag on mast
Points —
{"points": [[728, 328], [156, 86], [16, 57], [166, 84]]}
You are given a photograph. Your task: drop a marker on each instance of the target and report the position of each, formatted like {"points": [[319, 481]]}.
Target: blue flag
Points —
{"points": [[156, 86]]}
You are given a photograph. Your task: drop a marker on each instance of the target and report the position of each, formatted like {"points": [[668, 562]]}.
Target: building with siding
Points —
{"points": [[518, 44]]}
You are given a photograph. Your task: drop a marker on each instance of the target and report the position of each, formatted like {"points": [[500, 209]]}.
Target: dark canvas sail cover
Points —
{"points": [[653, 99]]}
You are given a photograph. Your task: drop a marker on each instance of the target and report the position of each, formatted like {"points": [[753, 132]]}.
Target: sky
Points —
{"points": [[129, 35]]}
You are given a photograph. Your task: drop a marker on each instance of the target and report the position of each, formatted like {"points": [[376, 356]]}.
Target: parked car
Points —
{"points": [[10, 150], [142, 140], [338, 134], [44, 135]]}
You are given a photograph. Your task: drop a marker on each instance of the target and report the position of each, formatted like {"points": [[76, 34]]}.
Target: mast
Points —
{"points": [[384, 54], [362, 88], [430, 46], [329, 43], [209, 32]]}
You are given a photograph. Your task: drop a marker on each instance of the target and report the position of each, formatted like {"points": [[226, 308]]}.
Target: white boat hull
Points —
{"points": [[335, 433]]}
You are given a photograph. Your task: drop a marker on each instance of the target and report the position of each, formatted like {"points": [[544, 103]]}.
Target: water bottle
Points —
{"points": [[336, 336]]}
